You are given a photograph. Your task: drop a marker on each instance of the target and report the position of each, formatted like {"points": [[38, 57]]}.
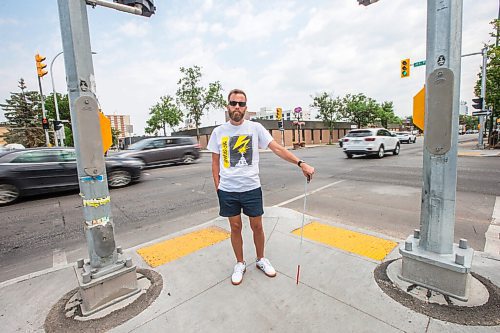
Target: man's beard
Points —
{"points": [[236, 116]]}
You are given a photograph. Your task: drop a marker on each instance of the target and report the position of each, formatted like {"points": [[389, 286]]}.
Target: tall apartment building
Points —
{"points": [[121, 123]]}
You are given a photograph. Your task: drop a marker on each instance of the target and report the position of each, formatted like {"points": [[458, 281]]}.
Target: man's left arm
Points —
{"points": [[285, 154]]}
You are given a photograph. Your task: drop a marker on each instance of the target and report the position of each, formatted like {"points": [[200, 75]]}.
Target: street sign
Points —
{"points": [[419, 63], [481, 113], [105, 124], [419, 109]]}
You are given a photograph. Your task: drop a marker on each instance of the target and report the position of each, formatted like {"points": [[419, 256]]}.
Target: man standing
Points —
{"points": [[235, 167]]}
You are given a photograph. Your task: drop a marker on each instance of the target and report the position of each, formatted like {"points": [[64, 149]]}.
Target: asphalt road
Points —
{"points": [[381, 195]]}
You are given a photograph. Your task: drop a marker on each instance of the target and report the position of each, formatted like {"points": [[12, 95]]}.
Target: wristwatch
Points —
{"points": [[299, 163]]}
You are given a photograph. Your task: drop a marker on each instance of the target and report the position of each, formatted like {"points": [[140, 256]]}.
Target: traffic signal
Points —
{"points": [[478, 103], [279, 113], [45, 123], [280, 125], [40, 66], [57, 125], [405, 68]]}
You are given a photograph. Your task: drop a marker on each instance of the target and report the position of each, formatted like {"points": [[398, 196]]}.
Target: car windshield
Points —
{"points": [[359, 134], [138, 145]]}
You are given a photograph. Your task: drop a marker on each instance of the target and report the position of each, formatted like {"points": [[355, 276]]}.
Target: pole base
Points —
{"points": [[107, 290], [448, 274]]}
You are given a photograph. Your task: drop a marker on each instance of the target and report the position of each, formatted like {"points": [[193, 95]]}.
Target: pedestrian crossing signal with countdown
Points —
{"points": [[405, 68]]}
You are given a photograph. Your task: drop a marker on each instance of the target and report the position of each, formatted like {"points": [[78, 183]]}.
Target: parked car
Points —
{"points": [[407, 137], [370, 141], [43, 170], [162, 150]]}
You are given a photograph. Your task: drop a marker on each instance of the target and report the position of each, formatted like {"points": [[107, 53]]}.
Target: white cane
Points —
{"points": [[302, 229]]}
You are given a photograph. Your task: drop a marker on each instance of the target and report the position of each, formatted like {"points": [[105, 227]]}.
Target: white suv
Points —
{"points": [[370, 141], [407, 137]]}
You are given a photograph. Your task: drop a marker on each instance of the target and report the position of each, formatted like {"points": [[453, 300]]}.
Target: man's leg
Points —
{"points": [[236, 239], [258, 235]]}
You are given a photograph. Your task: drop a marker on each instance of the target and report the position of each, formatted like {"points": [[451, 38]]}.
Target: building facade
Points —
{"points": [[122, 124]]}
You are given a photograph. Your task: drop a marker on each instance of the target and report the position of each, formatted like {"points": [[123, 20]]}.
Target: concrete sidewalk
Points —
{"points": [[337, 290]]}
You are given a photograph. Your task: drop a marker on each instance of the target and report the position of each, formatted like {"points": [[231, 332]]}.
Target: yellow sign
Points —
{"points": [[419, 109], [107, 139]]}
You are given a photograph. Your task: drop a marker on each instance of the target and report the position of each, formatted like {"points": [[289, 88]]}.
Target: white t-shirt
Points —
{"points": [[238, 147]]}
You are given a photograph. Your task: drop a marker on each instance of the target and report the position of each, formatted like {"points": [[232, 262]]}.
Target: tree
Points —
{"points": [[24, 118], [329, 110], [385, 113], [195, 98], [64, 114], [115, 133], [492, 98], [359, 109], [162, 114]]}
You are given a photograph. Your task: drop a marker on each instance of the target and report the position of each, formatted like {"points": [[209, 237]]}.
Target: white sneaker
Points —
{"points": [[264, 265], [239, 270]]}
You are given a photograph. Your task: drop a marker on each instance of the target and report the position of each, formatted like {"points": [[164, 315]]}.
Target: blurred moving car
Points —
{"points": [[407, 137], [370, 141], [43, 170], [162, 150], [12, 146]]}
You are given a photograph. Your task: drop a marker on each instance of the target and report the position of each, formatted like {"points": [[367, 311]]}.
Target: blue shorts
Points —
{"points": [[231, 203]]}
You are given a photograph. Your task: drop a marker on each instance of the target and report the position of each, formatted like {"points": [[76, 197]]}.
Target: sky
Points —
{"points": [[281, 52]]}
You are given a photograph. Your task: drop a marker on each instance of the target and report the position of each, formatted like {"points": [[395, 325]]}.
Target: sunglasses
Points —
{"points": [[241, 104]]}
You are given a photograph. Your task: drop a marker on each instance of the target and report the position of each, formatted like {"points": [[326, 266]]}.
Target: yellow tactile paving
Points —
{"points": [[175, 248], [347, 240]]}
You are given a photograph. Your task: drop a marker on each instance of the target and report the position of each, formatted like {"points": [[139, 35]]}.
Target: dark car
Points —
{"points": [[43, 170], [162, 150]]}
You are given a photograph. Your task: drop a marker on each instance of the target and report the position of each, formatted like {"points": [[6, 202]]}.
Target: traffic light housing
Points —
{"points": [[280, 125], [45, 123], [279, 113], [478, 103], [57, 125], [405, 68], [40, 66]]}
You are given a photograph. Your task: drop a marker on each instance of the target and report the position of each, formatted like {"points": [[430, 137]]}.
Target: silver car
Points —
{"points": [[407, 137]]}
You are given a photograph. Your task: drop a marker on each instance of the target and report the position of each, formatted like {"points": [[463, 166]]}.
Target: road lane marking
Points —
{"points": [[172, 249], [308, 193], [59, 258], [351, 241]]}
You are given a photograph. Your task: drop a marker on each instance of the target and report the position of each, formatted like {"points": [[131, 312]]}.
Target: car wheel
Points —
{"points": [[381, 152], [119, 178], [188, 159], [396, 150], [349, 155], [8, 194], [414, 140]]}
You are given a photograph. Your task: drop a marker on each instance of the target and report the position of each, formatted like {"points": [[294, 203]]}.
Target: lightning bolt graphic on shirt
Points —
{"points": [[243, 143]]}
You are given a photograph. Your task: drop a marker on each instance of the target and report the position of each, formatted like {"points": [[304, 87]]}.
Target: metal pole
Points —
{"points": [[428, 254], [444, 42], [98, 223], [44, 114], [482, 119], [55, 97]]}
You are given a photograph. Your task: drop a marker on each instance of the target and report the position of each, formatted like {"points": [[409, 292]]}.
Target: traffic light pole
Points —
{"points": [[57, 135], [430, 258], [482, 119], [105, 277], [44, 114]]}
